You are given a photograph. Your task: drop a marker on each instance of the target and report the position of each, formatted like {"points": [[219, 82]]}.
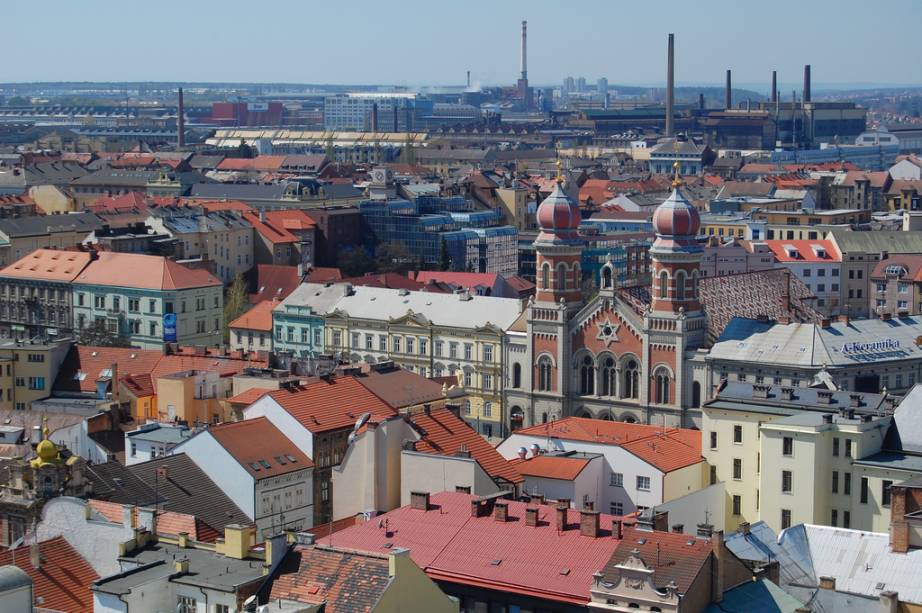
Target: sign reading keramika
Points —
{"points": [[886, 344]]}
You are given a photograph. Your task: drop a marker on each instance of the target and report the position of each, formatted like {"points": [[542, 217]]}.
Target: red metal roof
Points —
{"points": [[666, 449], [322, 406], [446, 434], [136, 270], [63, 579], [449, 544]]}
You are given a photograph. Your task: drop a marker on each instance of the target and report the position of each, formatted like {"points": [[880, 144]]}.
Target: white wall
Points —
{"points": [[108, 603], [280, 493], [17, 600], [221, 468], [589, 485], [707, 505], [425, 472], [282, 419]]}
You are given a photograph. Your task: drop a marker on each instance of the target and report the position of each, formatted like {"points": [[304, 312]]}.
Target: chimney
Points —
{"points": [[854, 400], [537, 498], [889, 601], [147, 519], [670, 85], [760, 390], [774, 86], [531, 516], [524, 57], [374, 117], [705, 530], [468, 79], [661, 521], [182, 539], [501, 511], [828, 583], [843, 319], [181, 566], [419, 500], [396, 124], [728, 95], [700, 102], [827, 418], [617, 529], [825, 322], [181, 122], [560, 514], [720, 558], [35, 555], [885, 316], [589, 522], [806, 96], [824, 397], [899, 527]]}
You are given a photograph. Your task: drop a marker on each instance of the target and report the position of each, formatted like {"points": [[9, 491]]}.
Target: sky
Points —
{"points": [[413, 42]]}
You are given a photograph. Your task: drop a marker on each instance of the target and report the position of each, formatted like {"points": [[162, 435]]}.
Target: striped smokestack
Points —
{"points": [[670, 85]]}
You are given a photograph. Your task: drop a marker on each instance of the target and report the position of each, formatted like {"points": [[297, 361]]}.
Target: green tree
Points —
{"points": [[355, 262], [98, 334], [444, 259], [395, 257], [235, 303]]}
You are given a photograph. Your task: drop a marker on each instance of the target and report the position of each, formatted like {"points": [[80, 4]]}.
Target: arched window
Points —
{"points": [[561, 281], [694, 292], [696, 394], [544, 374], [608, 377], [546, 276], [680, 285], [544, 418], [664, 284], [606, 277], [631, 380], [587, 377], [516, 375], [517, 417], [662, 387]]}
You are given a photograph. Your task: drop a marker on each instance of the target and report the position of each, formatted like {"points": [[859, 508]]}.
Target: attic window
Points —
{"points": [[496, 562], [79, 376], [255, 466], [105, 372], [265, 464], [281, 460], [291, 458], [564, 571]]}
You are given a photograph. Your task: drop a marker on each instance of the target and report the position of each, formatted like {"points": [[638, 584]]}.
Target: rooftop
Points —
{"points": [[334, 404], [260, 448], [143, 272], [64, 578], [565, 467], [48, 265], [257, 318], [673, 557]]}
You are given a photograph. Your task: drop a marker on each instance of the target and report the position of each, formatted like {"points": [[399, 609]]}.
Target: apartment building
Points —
{"points": [[817, 264], [36, 300], [28, 370], [149, 300], [20, 236], [252, 331], [896, 285], [283, 238]]}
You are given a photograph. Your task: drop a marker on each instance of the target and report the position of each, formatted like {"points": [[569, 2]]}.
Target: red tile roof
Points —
{"points": [[461, 279], [168, 523], [805, 251], [48, 265], [249, 396], [446, 434], [262, 162], [666, 449], [277, 226], [551, 467], [259, 447], [340, 581], [144, 271], [320, 274], [257, 318], [674, 557], [390, 280], [322, 406], [139, 385], [449, 544], [64, 578], [274, 282], [211, 206]]}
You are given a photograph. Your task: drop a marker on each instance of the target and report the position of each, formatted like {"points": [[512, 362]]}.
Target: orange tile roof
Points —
{"points": [[257, 318], [48, 265], [551, 467], [323, 405], [262, 162], [444, 433], [666, 449], [145, 272], [168, 523], [64, 579], [805, 251], [249, 396], [321, 274], [674, 557], [259, 447], [277, 226], [139, 385]]}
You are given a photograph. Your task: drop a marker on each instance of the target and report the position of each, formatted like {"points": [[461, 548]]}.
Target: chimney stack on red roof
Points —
{"points": [[537, 498], [589, 522], [419, 500], [501, 511], [531, 516], [617, 529], [899, 527], [560, 514], [720, 556], [678, 528]]}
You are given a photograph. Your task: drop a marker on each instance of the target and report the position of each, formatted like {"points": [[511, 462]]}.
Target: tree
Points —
{"points": [[355, 262], [235, 303], [395, 257], [18, 101], [98, 334], [444, 259]]}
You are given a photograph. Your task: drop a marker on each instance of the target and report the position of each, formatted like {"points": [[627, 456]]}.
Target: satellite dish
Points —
{"points": [[361, 421]]}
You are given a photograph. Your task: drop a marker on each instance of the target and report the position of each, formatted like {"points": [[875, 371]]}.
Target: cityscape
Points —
{"points": [[504, 328]]}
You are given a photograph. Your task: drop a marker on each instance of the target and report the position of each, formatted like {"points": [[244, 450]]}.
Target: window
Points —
{"points": [[438, 346], [153, 328], [382, 343], [864, 490], [787, 481], [586, 377], [643, 483], [662, 388], [291, 334], [36, 383], [80, 298], [487, 382], [186, 604], [488, 353], [737, 504], [616, 480], [846, 519], [737, 434], [200, 326], [516, 375], [396, 343], [787, 446], [411, 344], [544, 374], [834, 518], [468, 378], [713, 475], [99, 302], [337, 338], [847, 484], [423, 346], [835, 446], [317, 336], [664, 284], [488, 409], [713, 440], [152, 306], [785, 518], [453, 350], [134, 305], [737, 469], [848, 448], [616, 508], [468, 351], [835, 482], [355, 340], [885, 493]]}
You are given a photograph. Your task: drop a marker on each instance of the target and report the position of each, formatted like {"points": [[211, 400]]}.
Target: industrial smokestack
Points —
{"points": [[670, 85], [396, 124], [181, 122], [524, 67], [806, 96], [374, 117], [700, 102], [774, 86], [728, 95], [468, 79]]}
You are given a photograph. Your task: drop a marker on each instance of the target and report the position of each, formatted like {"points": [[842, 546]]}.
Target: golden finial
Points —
{"points": [[677, 179], [45, 431], [559, 178]]}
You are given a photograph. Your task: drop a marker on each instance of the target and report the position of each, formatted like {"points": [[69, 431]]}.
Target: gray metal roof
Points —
{"points": [[160, 433], [239, 191], [874, 242], [12, 577], [738, 395], [34, 225], [893, 460], [206, 568]]}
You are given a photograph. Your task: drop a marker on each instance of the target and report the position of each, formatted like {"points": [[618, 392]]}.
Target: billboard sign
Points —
{"points": [[169, 327]]}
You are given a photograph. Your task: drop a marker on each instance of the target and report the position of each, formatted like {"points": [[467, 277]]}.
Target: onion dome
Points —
{"points": [[676, 216], [558, 216]]}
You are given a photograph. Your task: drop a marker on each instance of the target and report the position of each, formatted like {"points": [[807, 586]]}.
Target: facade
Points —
{"points": [[643, 466], [152, 440], [252, 331], [817, 264], [20, 236], [260, 469], [896, 285], [283, 238], [222, 238], [196, 397], [373, 112], [35, 295], [690, 156], [28, 371], [149, 300], [424, 332]]}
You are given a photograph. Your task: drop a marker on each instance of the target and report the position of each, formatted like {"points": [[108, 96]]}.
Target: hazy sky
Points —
{"points": [[434, 42]]}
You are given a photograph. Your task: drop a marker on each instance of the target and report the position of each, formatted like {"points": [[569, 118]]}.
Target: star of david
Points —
{"points": [[608, 332]]}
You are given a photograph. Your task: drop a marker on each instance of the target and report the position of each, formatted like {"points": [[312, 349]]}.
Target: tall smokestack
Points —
{"points": [[181, 122], [468, 79], [700, 102], [396, 124], [806, 96], [670, 85], [774, 86], [374, 116], [728, 95], [524, 67]]}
